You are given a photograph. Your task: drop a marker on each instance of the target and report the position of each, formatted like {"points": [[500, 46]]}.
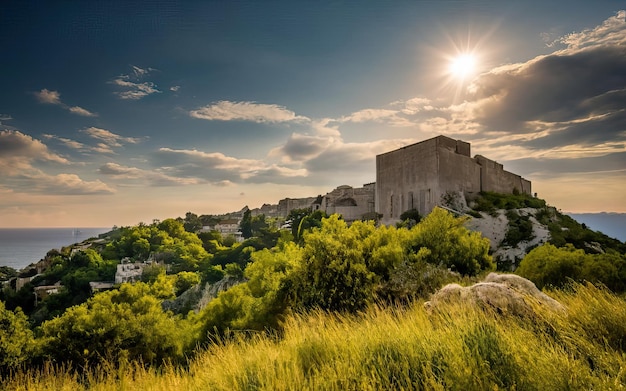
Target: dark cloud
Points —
{"points": [[609, 127], [556, 88], [299, 147]]}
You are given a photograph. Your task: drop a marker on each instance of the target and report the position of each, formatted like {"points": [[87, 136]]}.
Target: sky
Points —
{"points": [[120, 112]]}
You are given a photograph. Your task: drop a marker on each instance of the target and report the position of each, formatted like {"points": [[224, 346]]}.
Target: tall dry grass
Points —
{"points": [[456, 348]]}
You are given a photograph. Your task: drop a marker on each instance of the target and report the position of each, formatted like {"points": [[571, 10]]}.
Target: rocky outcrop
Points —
{"points": [[495, 226], [503, 293]]}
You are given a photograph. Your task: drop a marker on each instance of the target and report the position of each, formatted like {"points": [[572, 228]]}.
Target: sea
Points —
{"points": [[19, 247]]}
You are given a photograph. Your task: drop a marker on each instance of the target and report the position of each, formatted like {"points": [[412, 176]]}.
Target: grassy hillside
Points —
{"points": [[457, 348]]}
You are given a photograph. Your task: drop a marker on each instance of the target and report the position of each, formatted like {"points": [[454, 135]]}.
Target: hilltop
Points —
{"points": [[515, 224]]}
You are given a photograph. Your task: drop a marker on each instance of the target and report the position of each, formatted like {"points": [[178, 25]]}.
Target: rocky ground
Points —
{"points": [[495, 226]]}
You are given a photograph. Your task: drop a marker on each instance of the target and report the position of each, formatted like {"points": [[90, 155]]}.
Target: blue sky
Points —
{"points": [[117, 112]]}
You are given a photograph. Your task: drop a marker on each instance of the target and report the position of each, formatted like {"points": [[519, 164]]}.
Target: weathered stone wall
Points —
{"points": [[494, 178], [418, 176], [456, 173], [286, 205], [400, 175]]}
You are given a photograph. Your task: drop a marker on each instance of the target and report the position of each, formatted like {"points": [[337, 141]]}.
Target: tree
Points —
{"points": [[303, 220], [211, 241], [16, 339], [548, 265], [410, 217], [124, 324], [6, 273], [294, 217], [258, 224], [246, 224], [261, 301], [451, 244], [333, 274], [185, 280], [192, 222]]}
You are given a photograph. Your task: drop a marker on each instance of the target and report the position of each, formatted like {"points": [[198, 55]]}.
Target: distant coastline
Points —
{"points": [[611, 224], [20, 247]]}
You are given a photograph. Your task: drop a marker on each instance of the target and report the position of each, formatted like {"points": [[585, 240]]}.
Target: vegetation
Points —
{"points": [[563, 229], [333, 306], [548, 265], [520, 228], [489, 201], [16, 338], [390, 348], [124, 324]]}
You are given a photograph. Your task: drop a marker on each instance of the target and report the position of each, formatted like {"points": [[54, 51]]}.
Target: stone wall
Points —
{"points": [[407, 178], [286, 205], [495, 178]]}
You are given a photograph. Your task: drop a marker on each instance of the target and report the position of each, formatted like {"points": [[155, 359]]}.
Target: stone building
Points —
{"points": [[129, 272], [419, 175], [351, 203]]}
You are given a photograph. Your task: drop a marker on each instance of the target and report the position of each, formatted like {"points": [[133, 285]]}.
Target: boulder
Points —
{"points": [[502, 293]]}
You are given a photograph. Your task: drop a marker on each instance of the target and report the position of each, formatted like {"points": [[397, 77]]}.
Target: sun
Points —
{"points": [[462, 66]]}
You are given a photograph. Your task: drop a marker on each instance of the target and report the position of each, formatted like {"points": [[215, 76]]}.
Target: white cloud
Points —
{"points": [[103, 148], [154, 178], [133, 86], [72, 184], [215, 167], [391, 117], [54, 98], [135, 91], [366, 115], [611, 32], [66, 141], [18, 151], [300, 147], [174, 88], [48, 97], [416, 105], [141, 72], [80, 111], [109, 139], [320, 154], [19, 154], [213, 159], [246, 111], [322, 127]]}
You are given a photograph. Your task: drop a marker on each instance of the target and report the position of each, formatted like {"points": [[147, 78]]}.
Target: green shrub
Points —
{"points": [[520, 229]]}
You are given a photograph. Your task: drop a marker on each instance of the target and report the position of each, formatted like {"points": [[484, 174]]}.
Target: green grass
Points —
{"points": [[455, 348]]}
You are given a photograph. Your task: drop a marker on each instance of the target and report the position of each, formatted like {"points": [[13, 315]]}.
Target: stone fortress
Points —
{"points": [[417, 176]]}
